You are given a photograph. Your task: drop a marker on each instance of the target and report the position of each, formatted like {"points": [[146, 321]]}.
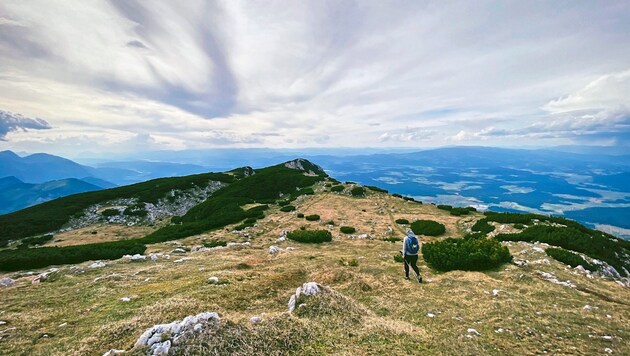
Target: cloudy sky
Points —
{"points": [[119, 76]]}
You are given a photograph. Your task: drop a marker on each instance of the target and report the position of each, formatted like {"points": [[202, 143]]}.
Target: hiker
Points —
{"points": [[411, 246]]}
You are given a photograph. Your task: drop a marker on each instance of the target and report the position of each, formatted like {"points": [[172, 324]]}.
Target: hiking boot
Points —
{"points": [[419, 279], [407, 277]]}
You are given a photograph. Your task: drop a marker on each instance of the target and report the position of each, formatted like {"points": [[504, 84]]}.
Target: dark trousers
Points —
{"points": [[411, 261]]}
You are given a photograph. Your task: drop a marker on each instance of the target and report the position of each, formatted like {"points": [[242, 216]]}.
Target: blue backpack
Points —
{"points": [[413, 246]]}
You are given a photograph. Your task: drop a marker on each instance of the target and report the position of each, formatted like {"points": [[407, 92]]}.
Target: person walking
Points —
{"points": [[411, 247]]}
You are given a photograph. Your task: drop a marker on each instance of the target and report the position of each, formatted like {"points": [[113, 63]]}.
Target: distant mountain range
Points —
{"points": [[16, 195], [33, 179]]}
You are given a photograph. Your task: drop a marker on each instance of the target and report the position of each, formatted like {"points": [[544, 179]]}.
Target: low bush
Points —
{"points": [[519, 226], [409, 199], [466, 255], [110, 212], [313, 217], [310, 236], [474, 235], [287, 208], [330, 222], [307, 191], [347, 229], [300, 215], [445, 207], [427, 227], [392, 239], [136, 210], [348, 263], [482, 226], [402, 221], [397, 195], [211, 244], [16, 260], [398, 258], [284, 202], [357, 191], [337, 188], [459, 211], [376, 189], [570, 258], [37, 240], [350, 182], [591, 243]]}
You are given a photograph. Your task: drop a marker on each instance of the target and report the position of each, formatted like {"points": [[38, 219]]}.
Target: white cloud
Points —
{"points": [[314, 73]]}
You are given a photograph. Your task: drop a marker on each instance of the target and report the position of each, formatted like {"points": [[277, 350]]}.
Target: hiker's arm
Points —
{"points": [[404, 250]]}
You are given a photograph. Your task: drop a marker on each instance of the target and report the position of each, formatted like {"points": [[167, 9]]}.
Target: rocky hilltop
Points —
{"points": [[287, 260]]}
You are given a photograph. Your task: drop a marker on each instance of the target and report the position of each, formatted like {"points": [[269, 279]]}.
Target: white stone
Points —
{"points": [[292, 302], [290, 248], [97, 264], [499, 330], [198, 327], [153, 257], [113, 352], [608, 350], [178, 250], [255, 320], [431, 315], [213, 280], [274, 249], [62, 325], [495, 292], [137, 258], [162, 348], [520, 263], [6, 282], [281, 239], [125, 299], [587, 307], [473, 331], [2, 322], [310, 288], [607, 337]]}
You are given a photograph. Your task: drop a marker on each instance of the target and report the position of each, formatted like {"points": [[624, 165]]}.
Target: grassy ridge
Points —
{"points": [[52, 215]]}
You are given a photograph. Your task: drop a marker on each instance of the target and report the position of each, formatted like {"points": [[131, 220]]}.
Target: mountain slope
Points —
{"points": [[532, 306], [20, 195]]}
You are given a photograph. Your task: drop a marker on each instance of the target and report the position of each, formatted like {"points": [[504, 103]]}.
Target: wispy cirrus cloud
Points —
{"points": [[224, 73]]}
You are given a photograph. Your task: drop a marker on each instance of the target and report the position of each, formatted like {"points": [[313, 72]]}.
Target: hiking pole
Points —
{"points": [[409, 267]]}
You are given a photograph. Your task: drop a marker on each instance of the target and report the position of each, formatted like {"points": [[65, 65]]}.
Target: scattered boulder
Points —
{"points": [[97, 264], [495, 292], [308, 288], [520, 263], [274, 250], [178, 250], [45, 275], [6, 282], [135, 258], [213, 280], [160, 338], [113, 352], [255, 320], [553, 279], [125, 299]]}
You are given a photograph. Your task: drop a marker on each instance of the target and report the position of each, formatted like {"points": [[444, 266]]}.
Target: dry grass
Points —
{"points": [[104, 233], [535, 315]]}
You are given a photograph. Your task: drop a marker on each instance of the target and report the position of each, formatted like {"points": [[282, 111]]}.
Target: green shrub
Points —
{"points": [[307, 191], [398, 258], [402, 221], [570, 258], [466, 255], [357, 191], [409, 199], [136, 210], [347, 229], [445, 207], [216, 243], [110, 212], [483, 226], [287, 208], [397, 195], [459, 211], [348, 263], [376, 189], [591, 243], [310, 236], [15, 260], [350, 182], [284, 202], [519, 226], [337, 188], [300, 215], [313, 217], [392, 239], [36, 240], [427, 227], [330, 222], [475, 235], [176, 220]]}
